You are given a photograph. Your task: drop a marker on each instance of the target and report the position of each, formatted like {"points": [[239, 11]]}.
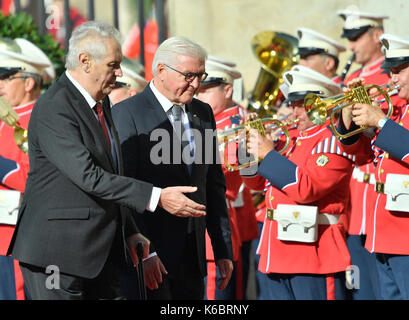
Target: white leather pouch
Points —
{"points": [[9, 205], [296, 223], [396, 189]]}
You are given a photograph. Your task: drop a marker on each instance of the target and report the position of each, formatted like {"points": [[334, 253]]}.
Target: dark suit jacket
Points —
{"points": [[136, 119], [71, 208]]}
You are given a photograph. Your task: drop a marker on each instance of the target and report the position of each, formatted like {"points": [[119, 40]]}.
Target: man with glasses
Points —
{"points": [[165, 140], [21, 77]]}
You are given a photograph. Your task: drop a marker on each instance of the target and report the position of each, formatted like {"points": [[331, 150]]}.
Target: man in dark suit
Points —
{"points": [[187, 153], [74, 223]]}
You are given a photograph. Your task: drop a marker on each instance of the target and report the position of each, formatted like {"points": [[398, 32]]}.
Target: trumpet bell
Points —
{"points": [[320, 109]]}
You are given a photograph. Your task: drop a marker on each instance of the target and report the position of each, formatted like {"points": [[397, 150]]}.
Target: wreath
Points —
{"points": [[22, 25]]}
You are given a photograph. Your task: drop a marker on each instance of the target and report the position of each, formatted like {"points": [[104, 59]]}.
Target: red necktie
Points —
{"points": [[101, 117]]}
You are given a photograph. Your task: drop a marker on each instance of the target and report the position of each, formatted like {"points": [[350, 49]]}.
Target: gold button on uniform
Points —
{"points": [[381, 171]]}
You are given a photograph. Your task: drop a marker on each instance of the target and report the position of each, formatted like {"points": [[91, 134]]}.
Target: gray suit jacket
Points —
{"points": [[71, 209]]}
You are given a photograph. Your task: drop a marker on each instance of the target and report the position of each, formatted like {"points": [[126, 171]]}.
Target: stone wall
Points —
{"points": [[226, 27]]}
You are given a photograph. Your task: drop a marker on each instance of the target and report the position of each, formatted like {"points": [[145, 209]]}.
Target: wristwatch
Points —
{"points": [[382, 122]]}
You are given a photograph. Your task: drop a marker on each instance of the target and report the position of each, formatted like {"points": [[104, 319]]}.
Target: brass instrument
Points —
{"points": [[10, 117], [21, 138], [264, 126], [276, 53], [319, 109]]}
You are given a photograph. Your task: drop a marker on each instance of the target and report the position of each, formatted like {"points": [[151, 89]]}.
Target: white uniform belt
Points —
{"points": [[323, 218]]}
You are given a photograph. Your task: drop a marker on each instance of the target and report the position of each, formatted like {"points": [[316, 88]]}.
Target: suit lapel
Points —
{"points": [[198, 130], [81, 106]]}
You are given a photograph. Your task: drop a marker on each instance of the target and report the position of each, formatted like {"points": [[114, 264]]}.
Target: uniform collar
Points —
{"points": [[373, 67], [25, 107], [227, 113], [313, 130]]}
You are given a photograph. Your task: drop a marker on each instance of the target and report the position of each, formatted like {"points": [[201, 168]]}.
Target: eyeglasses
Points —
{"points": [[190, 76]]}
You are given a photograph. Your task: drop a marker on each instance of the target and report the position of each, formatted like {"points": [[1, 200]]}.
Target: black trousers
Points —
{"points": [[49, 284], [187, 283]]}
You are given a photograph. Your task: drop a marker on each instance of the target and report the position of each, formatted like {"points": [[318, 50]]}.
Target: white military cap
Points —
{"points": [[218, 59], [220, 73], [29, 48], [131, 75], [22, 56], [313, 42], [396, 49], [303, 80], [358, 22], [238, 85]]}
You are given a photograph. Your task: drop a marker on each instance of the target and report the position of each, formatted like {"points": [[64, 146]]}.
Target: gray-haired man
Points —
{"points": [[73, 218]]}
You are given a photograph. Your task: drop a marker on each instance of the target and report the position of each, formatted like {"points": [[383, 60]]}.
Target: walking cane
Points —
{"points": [[141, 273]]}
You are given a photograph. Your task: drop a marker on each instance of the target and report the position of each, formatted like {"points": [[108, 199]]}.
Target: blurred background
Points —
{"points": [[224, 27]]}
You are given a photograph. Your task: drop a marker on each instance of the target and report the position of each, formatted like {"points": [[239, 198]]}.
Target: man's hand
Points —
{"points": [[173, 200], [367, 115], [154, 269], [7, 114], [225, 268], [132, 241], [258, 145]]}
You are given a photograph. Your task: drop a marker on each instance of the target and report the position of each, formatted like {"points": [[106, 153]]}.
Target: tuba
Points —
{"points": [[319, 109], [276, 53]]}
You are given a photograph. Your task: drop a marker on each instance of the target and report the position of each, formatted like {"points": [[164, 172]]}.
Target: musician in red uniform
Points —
{"points": [[22, 68], [244, 205], [363, 31], [388, 235], [302, 246], [217, 91], [319, 52]]}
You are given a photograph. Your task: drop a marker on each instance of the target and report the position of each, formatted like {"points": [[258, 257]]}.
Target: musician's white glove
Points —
{"points": [[7, 114]]}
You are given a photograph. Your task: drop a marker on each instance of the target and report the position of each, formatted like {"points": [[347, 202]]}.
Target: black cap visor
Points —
{"points": [[213, 80], [394, 62], [6, 72], [350, 34], [300, 95]]}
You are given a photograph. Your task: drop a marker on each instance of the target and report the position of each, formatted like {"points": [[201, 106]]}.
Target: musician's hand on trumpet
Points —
{"points": [[367, 115], [258, 145], [347, 111]]}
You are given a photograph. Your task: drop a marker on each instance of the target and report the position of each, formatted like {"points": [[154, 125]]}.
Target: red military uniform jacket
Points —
{"points": [[227, 119], [14, 168], [388, 230], [314, 172], [362, 190]]}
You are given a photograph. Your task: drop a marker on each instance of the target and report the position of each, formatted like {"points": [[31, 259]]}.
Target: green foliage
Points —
{"points": [[22, 26]]}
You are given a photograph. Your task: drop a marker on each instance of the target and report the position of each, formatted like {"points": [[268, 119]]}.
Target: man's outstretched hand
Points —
{"points": [[173, 200]]}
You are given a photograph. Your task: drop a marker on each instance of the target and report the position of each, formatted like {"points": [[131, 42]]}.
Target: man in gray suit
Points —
{"points": [[75, 218]]}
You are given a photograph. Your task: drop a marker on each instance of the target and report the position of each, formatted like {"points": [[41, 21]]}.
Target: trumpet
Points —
{"points": [[265, 126], [319, 109], [10, 117]]}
